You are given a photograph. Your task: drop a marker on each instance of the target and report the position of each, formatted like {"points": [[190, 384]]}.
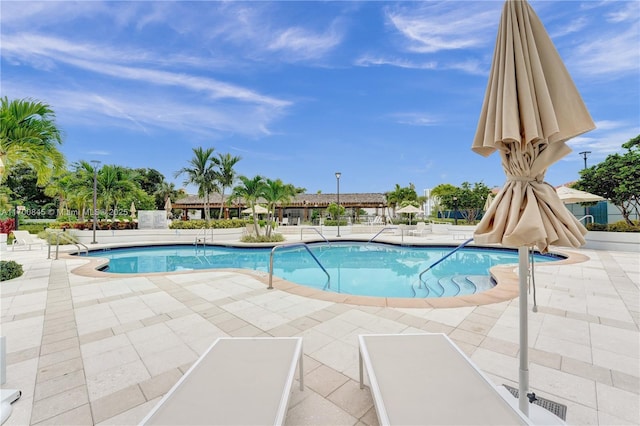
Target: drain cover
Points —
{"points": [[559, 410]]}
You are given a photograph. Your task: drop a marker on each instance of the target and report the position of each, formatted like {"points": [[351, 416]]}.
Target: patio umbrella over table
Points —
{"points": [[531, 107], [410, 210], [259, 210], [569, 195]]}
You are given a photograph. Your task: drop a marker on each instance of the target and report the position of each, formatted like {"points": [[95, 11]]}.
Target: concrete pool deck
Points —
{"points": [[103, 350]]}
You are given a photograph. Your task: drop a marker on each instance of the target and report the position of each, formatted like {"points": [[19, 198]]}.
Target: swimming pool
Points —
{"points": [[367, 269]]}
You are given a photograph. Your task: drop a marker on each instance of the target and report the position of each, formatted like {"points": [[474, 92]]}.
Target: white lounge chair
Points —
{"points": [[422, 379], [237, 381], [376, 221], [25, 239], [421, 228]]}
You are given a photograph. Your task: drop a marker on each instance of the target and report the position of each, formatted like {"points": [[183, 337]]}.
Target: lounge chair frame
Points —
{"points": [[25, 239], [422, 379], [237, 381]]}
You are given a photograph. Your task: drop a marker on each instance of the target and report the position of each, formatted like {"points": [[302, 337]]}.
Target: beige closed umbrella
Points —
{"points": [[487, 202], [531, 107], [132, 210], [168, 207]]}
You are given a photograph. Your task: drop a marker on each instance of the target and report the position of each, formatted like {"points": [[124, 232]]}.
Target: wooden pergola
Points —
{"points": [[300, 206]]}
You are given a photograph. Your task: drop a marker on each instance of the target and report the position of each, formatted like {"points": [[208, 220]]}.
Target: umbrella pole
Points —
{"points": [[523, 378]]}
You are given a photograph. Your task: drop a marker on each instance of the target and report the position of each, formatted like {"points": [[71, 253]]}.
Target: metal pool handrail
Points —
{"points": [[290, 246], [386, 228], [444, 257], [66, 238], [318, 232]]}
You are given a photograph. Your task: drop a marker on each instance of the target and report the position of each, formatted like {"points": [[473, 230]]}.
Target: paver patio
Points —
{"points": [[102, 350]]}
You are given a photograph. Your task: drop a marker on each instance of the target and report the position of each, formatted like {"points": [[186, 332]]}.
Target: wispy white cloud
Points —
{"points": [[431, 27], [416, 119], [367, 60], [606, 139], [615, 53], [39, 50], [300, 44], [572, 26], [627, 11]]}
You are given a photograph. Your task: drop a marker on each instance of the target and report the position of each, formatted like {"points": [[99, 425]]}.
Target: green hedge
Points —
{"points": [[87, 226], [332, 222], [215, 224], [275, 238], [620, 226], [9, 270]]}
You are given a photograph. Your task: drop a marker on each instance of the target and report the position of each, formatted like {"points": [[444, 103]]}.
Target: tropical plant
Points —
{"points": [[250, 190], [21, 187], [225, 174], [335, 211], [202, 174], [471, 199], [402, 196], [617, 179], [29, 136], [115, 183], [442, 196], [274, 192]]}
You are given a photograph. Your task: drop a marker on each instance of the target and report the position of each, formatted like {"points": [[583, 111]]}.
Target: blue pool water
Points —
{"points": [[357, 268]]}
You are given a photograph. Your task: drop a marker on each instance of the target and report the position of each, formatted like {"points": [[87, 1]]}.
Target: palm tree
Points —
{"points": [[275, 191], [114, 184], [82, 187], [163, 191], [29, 135], [202, 174], [225, 174], [250, 190]]}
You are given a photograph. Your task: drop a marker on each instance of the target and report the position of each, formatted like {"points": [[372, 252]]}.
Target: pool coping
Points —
{"points": [[506, 278]]}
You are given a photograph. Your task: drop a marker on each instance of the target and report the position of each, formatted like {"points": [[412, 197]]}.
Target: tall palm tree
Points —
{"points": [[29, 135], [225, 174], [250, 190], [202, 174]]}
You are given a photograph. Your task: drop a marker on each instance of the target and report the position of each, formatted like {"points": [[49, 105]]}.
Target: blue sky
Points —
{"points": [[384, 92]]}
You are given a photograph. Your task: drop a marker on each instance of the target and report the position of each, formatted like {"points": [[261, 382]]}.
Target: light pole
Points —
{"points": [[455, 208], [584, 155], [338, 174], [96, 163]]}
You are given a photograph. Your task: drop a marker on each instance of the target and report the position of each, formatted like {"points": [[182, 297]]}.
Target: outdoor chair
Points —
{"points": [[237, 381], [421, 228], [422, 379], [25, 239]]}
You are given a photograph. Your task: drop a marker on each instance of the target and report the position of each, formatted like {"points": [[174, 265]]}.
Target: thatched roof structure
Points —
{"points": [[360, 200]]}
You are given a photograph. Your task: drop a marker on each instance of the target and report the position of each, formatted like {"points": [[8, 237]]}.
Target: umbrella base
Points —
{"points": [[553, 407]]}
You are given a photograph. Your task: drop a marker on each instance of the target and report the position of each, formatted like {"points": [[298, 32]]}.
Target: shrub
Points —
{"points": [[9, 270], [596, 227], [7, 225], [623, 226], [275, 238], [620, 226], [216, 224], [332, 222]]}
